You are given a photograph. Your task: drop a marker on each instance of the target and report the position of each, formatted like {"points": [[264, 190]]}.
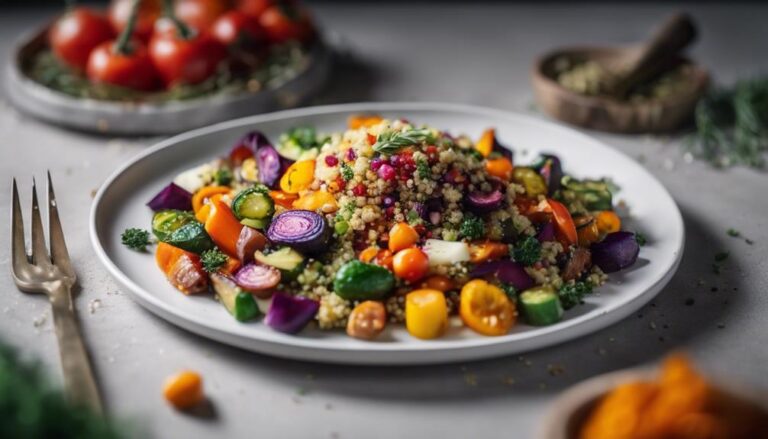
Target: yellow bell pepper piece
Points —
{"points": [[298, 177], [318, 200], [426, 313]]}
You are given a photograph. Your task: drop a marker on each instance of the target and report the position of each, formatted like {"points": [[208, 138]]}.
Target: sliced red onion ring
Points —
{"points": [[303, 230]]}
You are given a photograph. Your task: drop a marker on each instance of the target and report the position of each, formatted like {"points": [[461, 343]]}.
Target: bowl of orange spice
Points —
{"points": [[677, 402]]}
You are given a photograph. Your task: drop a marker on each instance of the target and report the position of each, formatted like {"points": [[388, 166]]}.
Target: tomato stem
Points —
{"points": [[123, 41], [184, 31]]}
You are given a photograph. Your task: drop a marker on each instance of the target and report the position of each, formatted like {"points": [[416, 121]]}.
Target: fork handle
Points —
{"points": [[79, 382]]}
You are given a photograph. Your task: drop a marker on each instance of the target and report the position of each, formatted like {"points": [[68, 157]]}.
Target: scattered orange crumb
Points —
{"points": [[184, 390]]}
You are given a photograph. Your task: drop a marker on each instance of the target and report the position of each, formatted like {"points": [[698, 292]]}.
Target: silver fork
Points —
{"points": [[53, 275]]}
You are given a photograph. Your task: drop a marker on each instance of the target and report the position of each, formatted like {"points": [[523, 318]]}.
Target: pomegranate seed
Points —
{"points": [[359, 190], [342, 184], [376, 164], [396, 161], [386, 172], [390, 212], [331, 160], [388, 201], [351, 154], [420, 229]]}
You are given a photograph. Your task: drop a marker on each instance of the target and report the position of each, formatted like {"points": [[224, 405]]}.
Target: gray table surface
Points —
{"points": [[478, 54]]}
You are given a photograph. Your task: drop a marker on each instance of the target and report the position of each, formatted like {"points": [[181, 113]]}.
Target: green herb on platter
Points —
{"points": [[732, 125], [390, 142], [213, 260], [136, 239]]}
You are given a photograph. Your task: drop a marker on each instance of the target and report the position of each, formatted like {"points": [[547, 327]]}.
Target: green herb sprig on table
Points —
{"points": [[390, 142], [732, 125]]}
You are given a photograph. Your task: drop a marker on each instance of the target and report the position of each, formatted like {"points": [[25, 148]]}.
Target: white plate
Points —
{"points": [[120, 204]]}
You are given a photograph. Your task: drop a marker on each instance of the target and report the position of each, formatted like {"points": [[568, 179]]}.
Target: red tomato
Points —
{"points": [[254, 8], [149, 12], [74, 35], [238, 29], [410, 264], [200, 14], [185, 61], [131, 70], [286, 22]]}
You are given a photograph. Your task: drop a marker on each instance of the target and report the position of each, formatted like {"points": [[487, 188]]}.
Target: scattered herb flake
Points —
{"points": [[223, 177], [390, 142], [734, 233], [721, 256], [422, 167], [213, 260], [641, 239], [472, 228], [573, 294], [527, 251], [346, 172]]}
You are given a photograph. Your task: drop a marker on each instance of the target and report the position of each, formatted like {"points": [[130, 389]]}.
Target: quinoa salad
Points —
{"points": [[386, 223]]}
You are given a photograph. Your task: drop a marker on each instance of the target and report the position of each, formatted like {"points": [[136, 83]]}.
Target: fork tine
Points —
{"points": [[39, 250], [59, 252], [18, 249]]}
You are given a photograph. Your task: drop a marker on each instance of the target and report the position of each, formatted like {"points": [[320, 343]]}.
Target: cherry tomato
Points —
{"points": [[410, 264], [367, 320], [200, 14], [237, 29], [76, 33], [131, 70], [254, 8], [438, 282], [185, 61], [486, 309], [149, 11], [286, 22]]}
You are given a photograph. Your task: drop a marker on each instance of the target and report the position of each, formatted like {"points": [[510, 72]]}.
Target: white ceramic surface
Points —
{"points": [[120, 203]]}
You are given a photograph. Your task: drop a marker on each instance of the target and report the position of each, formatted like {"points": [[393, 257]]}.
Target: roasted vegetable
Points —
{"points": [[579, 261], [287, 260], [191, 237], [290, 314], [591, 194], [533, 183], [187, 274], [505, 271], [367, 320], [357, 280], [527, 251], [551, 171], [240, 304], [426, 313], [165, 222], [304, 230], [486, 309], [258, 278], [484, 202], [253, 203], [249, 241], [171, 197], [442, 252], [540, 306], [223, 227], [617, 251]]}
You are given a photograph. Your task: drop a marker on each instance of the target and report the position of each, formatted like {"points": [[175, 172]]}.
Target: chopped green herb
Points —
{"points": [[719, 257], [733, 232], [472, 228], [573, 294], [346, 172], [423, 169], [213, 259], [510, 291], [223, 177], [716, 268], [640, 239], [390, 142], [136, 239], [413, 217], [527, 251]]}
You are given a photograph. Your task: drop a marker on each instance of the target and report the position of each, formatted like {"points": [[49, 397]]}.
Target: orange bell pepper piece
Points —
{"points": [[206, 193], [363, 120], [368, 254], [166, 255], [402, 236], [608, 222], [485, 145], [487, 251], [283, 199], [565, 229], [223, 227], [500, 168]]}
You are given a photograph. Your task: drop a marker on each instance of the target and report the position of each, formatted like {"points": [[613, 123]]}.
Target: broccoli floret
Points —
{"points": [[640, 239], [472, 228], [136, 239], [223, 177], [213, 259], [527, 251], [573, 294]]}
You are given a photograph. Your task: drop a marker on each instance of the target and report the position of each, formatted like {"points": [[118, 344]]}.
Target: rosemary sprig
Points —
{"points": [[390, 142], [732, 125]]}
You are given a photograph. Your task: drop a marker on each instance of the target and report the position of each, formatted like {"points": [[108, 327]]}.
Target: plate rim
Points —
{"points": [[381, 353]]}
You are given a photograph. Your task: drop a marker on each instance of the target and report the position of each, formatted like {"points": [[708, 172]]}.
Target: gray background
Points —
{"points": [[478, 54]]}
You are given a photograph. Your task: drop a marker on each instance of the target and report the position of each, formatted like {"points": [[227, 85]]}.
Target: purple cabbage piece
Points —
{"points": [[506, 271], [290, 314], [551, 170], [546, 232], [484, 202], [615, 252], [303, 230], [171, 197], [270, 165]]}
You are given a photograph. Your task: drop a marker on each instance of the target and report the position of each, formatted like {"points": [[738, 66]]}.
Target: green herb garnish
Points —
{"points": [[223, 177], [413, 217], [573, 294], [213, 259], [734, 233], [423, 169], [719, 257], [527, 251], [640, 239], [346, 172], [305, 137], [510, 291], [472, 228], [390, 142], [136, 239]]}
